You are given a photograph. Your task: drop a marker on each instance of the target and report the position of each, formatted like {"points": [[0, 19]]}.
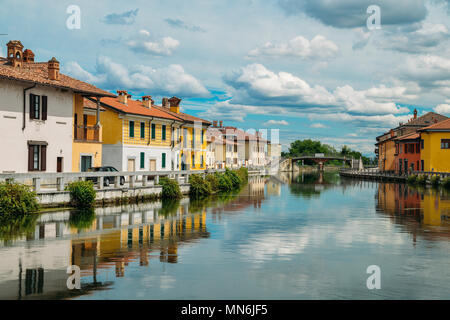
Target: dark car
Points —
{"points": [[106, 180]]}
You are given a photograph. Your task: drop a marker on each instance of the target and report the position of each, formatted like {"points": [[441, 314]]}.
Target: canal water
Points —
{"points": [[309, 236]]}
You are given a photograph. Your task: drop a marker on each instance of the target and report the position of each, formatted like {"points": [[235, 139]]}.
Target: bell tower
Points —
{"points": [[14, 52]]}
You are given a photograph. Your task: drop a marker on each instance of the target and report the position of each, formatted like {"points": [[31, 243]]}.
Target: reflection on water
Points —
{"points": [[303, 236]]}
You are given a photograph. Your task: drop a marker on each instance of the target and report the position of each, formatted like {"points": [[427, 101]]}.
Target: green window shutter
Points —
{"points": [[131, 132], [142, 130], [153, 131], [163, 161], [142, 160], [164, 132]]}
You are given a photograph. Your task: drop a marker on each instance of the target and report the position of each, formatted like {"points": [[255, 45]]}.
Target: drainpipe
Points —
{"points": [[24, 103]]}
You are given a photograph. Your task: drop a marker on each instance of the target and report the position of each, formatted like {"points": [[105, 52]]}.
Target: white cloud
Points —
{"points": [[318, 125], [443, 108], [257, 85], [144, 32], [276, 122], [318, 48], [162, 47], [167, 80]]}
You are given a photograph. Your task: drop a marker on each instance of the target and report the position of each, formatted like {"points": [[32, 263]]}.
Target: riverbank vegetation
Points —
{"points": [[82, 194], [17, 198], [170, 188], [227, 181], [423, 180]]}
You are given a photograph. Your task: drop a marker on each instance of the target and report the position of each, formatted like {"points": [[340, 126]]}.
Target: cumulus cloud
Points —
{"points": [[276, 123], [318, 48], [171, 80], [352, 13], [422, 38], [443, 108], [255, 84], [125, 18], [180, 24], [162, 47]]}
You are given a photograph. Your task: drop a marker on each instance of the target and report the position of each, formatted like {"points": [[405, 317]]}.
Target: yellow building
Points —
{"points": [[191, 146], [435, 147], [137, 135]]}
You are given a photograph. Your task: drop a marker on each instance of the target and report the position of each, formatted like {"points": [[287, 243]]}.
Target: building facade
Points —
{"points": [[435, 147]]}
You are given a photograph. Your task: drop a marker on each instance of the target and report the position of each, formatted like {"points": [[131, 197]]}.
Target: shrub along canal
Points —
{"points": [[310, 236]]}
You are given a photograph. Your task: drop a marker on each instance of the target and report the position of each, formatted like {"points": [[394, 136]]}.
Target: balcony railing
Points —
{"points": [[86, 133]]}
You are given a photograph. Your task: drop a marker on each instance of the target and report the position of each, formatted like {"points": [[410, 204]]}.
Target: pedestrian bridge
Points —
{"points": [[291, 163]]}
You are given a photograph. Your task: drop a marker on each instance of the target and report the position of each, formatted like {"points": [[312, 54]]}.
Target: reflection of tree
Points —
{"points": [[308, 185], [169, 207], [82, 219], [15, 226], [306, 191]]}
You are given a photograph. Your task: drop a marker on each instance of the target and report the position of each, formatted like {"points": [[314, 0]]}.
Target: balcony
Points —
{"points": [[86, 133]]}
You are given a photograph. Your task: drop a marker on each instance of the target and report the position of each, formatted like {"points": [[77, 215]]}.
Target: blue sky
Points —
{"points": [[311, 69]]}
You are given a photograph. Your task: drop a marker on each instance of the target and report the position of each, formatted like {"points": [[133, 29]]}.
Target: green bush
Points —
{"points": [[170, 188], [199, 187], [435, 180], [446, 183], [17, 198], [225, 184], [213, 180], [234, 178], [82, 193], [422, 179], [412, 179], [243, 174], [16, 226]]}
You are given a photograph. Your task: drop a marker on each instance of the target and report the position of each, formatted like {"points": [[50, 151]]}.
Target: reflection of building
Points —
{"points": [[415, 209], [112, 242]]}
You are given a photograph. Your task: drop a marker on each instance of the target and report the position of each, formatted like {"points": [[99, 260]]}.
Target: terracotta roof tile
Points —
{"points": [[183, 116], [410, 136], [443, 125], [37, 72], [134, 107]]}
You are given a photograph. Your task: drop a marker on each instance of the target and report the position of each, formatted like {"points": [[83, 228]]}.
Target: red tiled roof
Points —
{"points": [[440, 126], [135, 107], [89, 104], [182, 116], [410, 136], [37, 72]]}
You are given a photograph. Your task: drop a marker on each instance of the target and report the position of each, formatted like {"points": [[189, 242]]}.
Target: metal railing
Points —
{"points": [[133, 179]]}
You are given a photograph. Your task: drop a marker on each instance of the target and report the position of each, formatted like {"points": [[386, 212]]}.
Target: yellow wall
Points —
{"points": [[112, 127], [433, 156], [85, 148], [200, 149], [137, 140]]}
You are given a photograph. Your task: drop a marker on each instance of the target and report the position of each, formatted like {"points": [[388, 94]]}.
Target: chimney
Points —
{"points": [[165, 102], [53, 69], [28, 56], [14, 53], [415, 113], [215, 123], [123, 96], [175, 104], [221, 123], [147, 101]]}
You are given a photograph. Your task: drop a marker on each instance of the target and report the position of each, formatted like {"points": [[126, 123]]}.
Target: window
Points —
{"points": [[193, 138], [163, 160], [201, 161], [185, 137], [131, 129], [37, 156], [142, 160], [163, 132], [153, 131], [193, 160], [142, 130], [203, 136], [445, 143], [38, 107], [421, 144], [406, 148], [422, 165], [417, 150]]}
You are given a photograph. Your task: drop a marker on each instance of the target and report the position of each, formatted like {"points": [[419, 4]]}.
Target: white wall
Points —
{"points": [[151, 152], [57, 130]]}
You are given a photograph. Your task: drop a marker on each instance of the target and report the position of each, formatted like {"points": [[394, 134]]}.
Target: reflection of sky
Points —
{"points": [[296, 248]]}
